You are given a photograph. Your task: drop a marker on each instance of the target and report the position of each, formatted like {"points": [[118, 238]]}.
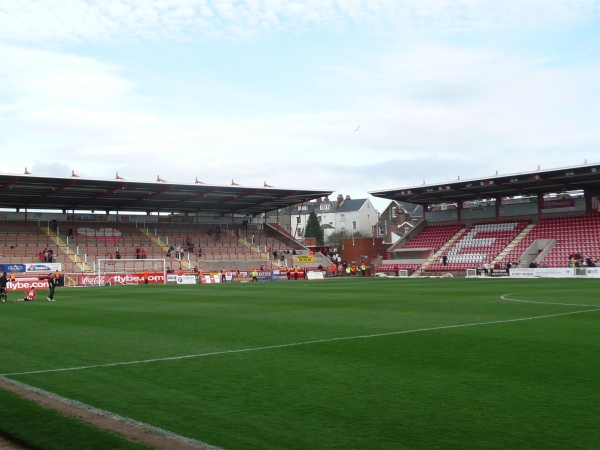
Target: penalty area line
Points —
{"points": [[295, 344], [503, 297]]}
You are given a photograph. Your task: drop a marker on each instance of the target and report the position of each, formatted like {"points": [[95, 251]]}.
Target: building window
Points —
{"points": [[394, 213], [342, 218], [354, 225], [298, 219], [325, 206], [380, 230], [319, 219]]}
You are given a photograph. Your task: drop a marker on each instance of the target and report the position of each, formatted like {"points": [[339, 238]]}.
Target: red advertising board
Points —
{"points": [[555, 204], [23, 284]]}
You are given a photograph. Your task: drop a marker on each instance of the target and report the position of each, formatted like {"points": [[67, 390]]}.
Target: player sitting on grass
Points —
{"points": [[31, 293]]}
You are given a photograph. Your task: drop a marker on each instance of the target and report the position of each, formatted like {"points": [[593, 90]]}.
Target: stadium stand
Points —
{"points": [[91, 241], [434, 236], [572, 234], [480, 244]]}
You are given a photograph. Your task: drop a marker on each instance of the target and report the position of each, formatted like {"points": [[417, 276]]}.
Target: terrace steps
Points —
{"points": [[64, 248], [513, 244], [156, 240], [442, 249]]}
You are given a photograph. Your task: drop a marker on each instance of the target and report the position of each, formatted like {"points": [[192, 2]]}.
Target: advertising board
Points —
{"points": [[562, 204], [305, 259], [558, 272], [43, 267], [499, 273], [121, 278], [592, 272], [315, 275], [596, 203], [186, 279], [172, 278], [210, 278], [22, 284], [16, 268]]}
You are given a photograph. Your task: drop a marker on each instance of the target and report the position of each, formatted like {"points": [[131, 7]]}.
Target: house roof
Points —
{"points": [[352, 205]]}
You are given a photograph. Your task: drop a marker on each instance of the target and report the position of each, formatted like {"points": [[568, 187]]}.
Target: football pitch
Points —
{"points": [[335, 364]]}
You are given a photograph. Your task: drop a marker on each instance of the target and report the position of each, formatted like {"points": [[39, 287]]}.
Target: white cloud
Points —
{"points": [[35, 20], [428, 111]]}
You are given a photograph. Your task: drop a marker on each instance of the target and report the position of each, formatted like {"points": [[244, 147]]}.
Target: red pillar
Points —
{"points": [[498, 201]]}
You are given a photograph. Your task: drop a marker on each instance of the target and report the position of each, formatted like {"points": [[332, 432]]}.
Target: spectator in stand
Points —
{"points": [[137, 253], [118, 255], [143, 252], [333, 270], [444, 260]]}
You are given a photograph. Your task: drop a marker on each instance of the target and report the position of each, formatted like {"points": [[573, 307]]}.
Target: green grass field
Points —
{"points": [[379, 363]]}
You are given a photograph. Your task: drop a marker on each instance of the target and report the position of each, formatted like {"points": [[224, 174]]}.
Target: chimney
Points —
{"points": [[319, 201], [348, 197], [340, 200]]}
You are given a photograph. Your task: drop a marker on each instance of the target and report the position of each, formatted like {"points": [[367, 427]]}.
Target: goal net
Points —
{"points": [[130, 271], [403, 273], [471, 273]]}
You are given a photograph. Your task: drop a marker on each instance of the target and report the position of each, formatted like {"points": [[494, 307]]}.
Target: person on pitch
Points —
{"points": [[52, 282], [3, 287], [254, 275], [223, 275], [145, 276], [29, 297]]}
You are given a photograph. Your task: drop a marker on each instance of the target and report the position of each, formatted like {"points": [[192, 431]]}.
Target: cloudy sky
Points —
{"points": [[273, 90]]}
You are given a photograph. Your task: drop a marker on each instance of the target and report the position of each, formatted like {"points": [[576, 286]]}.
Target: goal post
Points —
{"points": [[130, 271], [403, 273]]}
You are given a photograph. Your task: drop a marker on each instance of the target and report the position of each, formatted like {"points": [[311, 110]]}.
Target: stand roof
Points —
{"points": [[54, 193], [564, 179]]}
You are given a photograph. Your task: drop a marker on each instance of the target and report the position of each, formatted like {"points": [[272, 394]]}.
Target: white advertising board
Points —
{"points": [[171, 278], [43, 267], [592, 272], [558, 272], [315, 275], [186, 279]]}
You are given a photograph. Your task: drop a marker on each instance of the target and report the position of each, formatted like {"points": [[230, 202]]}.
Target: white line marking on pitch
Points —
{"points": [[503, 297], [111, 415], [269, 347]]}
